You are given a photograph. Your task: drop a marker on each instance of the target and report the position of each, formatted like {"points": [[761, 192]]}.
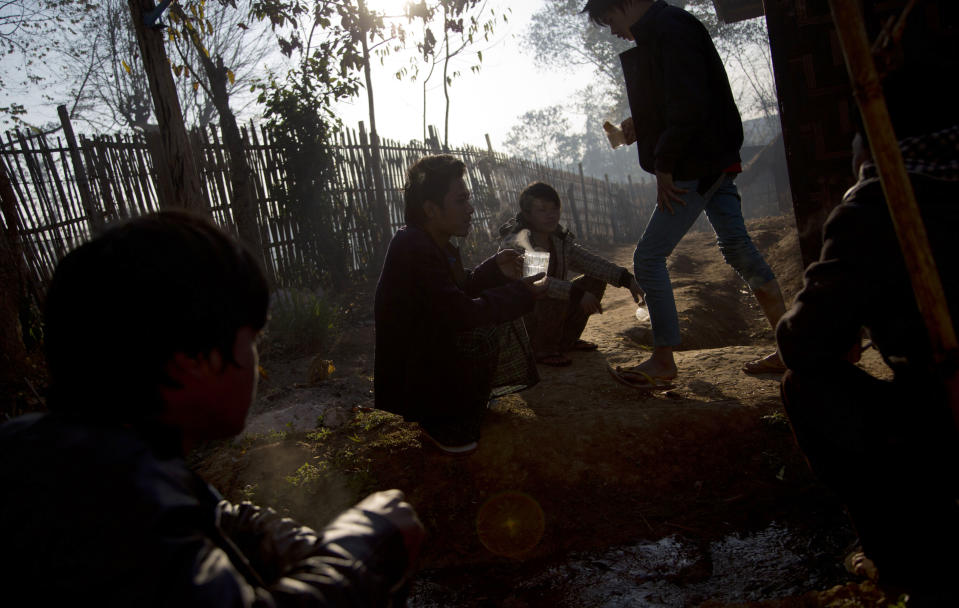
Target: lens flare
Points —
{"points": [[510, 524]]}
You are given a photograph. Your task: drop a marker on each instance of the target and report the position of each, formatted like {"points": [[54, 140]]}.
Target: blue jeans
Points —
{"points": [[663, 233]]}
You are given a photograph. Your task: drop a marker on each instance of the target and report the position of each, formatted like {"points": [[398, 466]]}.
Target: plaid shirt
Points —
{"points": [[934, 155]]}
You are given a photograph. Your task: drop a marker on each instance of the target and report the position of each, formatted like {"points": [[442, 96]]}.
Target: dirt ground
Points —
{"points": [[577, 463]]}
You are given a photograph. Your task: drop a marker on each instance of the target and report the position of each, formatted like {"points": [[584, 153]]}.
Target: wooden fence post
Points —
{"points": [[99, 178], [570, 198], [94, 215], [610, 210], [381, 214], [166, 192], [13, 277], [582, 184]]}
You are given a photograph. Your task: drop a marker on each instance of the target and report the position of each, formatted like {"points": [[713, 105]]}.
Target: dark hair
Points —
{"points": [[597, 9], [429, 180], [120, 306], [537, 190]]}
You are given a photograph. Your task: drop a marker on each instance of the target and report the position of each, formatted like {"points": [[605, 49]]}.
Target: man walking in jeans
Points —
{"points": [[688, 132]]}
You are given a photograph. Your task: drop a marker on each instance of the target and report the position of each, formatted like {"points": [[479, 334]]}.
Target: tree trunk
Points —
{"points": [[244, 205], [187, 190], [446, 81], [381, 214]]}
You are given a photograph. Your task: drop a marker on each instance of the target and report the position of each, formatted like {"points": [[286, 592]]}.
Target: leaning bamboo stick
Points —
{"points": [[900, 197]]}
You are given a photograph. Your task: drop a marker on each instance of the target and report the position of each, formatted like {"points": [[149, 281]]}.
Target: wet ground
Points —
{"points": [[778, 561]]}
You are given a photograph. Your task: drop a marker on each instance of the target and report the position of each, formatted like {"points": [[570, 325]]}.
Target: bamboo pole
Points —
{"points": [[900, 197], [94, 215]]}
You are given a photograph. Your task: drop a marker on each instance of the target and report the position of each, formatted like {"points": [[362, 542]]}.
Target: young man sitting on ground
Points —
{"points": [[444, 337], [150, 334], [558, 320], [888, 448]]}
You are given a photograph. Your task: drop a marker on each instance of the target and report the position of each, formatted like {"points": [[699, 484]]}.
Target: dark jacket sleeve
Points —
{"points": [[485, 276], [451, 306], [825, 321], [685, 82], [358, 560]]}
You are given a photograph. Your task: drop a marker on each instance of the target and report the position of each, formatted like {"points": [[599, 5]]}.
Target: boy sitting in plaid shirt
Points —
{"points": [[557, 321]]}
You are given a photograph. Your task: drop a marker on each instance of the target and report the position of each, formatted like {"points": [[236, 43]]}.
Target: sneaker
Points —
{"points": [[452, 450]]}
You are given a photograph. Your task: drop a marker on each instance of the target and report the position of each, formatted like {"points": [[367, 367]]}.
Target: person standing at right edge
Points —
{"points": [[688, 131]]}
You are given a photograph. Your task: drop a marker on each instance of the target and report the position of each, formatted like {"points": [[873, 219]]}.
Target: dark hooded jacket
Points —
{"points": [[420, 308], [685, 117]]}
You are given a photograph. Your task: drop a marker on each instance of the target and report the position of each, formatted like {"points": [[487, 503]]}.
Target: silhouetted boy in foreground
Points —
{"points": [[444, 337], [890, 450], [150, 333]]}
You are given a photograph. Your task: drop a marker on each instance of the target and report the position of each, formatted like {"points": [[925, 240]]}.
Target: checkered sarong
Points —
{"points": [[505, 346]]}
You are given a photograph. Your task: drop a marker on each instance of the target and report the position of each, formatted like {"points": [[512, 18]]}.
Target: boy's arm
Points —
{"points": [[590, 264], [485, 276], [450, 305], [823, 326], [254, 557]]}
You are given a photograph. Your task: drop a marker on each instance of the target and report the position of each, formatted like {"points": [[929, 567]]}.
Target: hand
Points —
{"points": [[538, 284], [854, 354], [639, 296], [510, 262], [590, 304], [629, 131], [392, 505], [666, 192]]}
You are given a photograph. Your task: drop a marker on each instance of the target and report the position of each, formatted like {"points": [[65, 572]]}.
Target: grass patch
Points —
{"points": [[300, 323]]}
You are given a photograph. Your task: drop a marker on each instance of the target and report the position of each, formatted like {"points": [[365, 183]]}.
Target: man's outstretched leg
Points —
{"points": [[662, 234], [724, 211]]}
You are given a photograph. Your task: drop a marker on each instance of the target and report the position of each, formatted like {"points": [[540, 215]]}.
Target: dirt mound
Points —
{"points": [[578, 462]]}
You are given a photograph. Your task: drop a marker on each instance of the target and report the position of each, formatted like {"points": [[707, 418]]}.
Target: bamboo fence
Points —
{"points": [[65, 191]]}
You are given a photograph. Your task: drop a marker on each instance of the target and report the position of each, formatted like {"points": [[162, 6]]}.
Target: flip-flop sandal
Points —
{"points": [[554, 359], [763, 366], [584, 345], [639, 380]]}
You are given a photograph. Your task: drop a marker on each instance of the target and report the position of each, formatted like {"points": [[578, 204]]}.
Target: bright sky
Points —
{"points": [[508, 85]]}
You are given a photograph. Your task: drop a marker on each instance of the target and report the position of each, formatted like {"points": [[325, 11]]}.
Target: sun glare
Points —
{"points": [[390, 8]]}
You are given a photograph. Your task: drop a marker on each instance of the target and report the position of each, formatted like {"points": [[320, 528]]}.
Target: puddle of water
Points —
{"points": [[673, 572]]}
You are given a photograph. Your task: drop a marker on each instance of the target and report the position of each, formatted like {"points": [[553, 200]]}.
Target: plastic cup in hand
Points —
{"points": [[614, 134], [535, 262]]}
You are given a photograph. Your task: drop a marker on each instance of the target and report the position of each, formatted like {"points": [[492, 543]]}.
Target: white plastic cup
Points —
{"points": [[642, 314], [614, 134], [535, 262]]}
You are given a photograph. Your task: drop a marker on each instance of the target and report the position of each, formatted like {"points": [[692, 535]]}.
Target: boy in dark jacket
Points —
{"points": [[150, 335], [688, 131], [444, 337], [888, 448]]}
